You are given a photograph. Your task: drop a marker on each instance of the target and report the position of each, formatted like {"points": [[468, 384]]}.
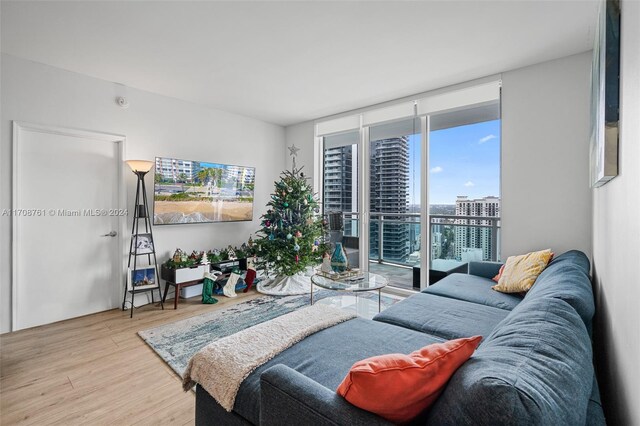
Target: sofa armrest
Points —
{"points": [[484, 269], [288, 398]]}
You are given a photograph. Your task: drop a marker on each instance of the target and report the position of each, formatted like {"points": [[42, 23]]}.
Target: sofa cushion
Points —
{"points": [[473, 289], [574, 257], [484, 269], [442, 316], [569, 282], [327, 356], [535, 368], [399, 387]]}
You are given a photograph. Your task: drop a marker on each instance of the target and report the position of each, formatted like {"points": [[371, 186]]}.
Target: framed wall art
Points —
{"points": [[143, 243], [142, 278], [605, 95], [188, 191]]}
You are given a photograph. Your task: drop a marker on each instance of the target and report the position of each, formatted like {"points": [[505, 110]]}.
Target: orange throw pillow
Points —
{"points": [[399, 387]]}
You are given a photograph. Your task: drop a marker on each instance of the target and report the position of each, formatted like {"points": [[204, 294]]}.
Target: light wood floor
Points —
{"points": [[96, 370]]}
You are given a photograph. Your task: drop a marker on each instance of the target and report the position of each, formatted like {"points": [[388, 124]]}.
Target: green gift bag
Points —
{"points": [[207, 292]]}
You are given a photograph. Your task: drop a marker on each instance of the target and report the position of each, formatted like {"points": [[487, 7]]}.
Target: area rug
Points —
{"points": [[177, 342]]}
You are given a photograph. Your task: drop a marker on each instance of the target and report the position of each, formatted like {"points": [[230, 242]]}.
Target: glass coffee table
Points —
{"points": [[366, 281]]}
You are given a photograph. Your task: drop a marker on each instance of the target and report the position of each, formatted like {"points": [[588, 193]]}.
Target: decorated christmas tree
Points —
{"points": [[292, 236]]}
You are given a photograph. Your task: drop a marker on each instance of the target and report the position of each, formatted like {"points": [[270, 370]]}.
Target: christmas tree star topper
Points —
{"points": [[293, 151]]}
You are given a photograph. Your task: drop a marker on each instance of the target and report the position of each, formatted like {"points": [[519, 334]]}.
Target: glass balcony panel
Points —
{"points": [[454, 243], [351, 225], [400, 241]]}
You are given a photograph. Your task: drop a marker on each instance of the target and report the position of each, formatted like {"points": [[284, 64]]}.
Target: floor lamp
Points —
{"points": [[141, 212]]}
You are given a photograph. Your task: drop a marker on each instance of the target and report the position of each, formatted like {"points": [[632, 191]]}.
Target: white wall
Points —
{"points": [[546, 200], [154, 126], [616, 247]]}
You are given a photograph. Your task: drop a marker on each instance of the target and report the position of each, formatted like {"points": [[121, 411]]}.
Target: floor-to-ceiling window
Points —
{"points": [[464, 189], [340, 189], [418, 181]]}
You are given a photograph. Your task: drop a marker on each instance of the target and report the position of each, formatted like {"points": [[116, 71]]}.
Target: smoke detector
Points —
{"points": [[122, 102]]}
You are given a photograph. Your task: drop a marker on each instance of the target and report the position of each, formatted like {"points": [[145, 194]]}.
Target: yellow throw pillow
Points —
{"points": [[520, 272]]}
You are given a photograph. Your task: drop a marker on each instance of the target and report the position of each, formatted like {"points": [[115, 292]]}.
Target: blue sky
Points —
{"points": [[463, 160]]}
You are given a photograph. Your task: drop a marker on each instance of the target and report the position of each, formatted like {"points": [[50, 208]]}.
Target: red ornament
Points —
{"points": [[297, 258]]}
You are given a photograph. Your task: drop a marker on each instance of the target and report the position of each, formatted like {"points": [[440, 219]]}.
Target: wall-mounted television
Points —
{"points": [[188, 191]]}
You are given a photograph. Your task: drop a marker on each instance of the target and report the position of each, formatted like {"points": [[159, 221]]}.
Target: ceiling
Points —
{"points": [[288, 62]]}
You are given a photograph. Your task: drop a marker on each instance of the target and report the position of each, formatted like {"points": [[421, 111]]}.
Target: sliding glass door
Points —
{"points": [[464, 189], [340, 190], [394, 200]]}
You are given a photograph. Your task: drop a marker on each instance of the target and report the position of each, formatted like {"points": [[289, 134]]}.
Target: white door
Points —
{"points": [[66, 199]]}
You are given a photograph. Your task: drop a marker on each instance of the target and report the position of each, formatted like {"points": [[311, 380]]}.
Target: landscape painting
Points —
{"points": [[200, 192]]}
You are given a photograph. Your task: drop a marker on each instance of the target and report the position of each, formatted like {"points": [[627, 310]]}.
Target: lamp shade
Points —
{"points": [[140, 165]]}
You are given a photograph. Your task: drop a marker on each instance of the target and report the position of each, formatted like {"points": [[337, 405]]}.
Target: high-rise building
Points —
{"points": [[339, 193], [436, 244], [338, 189], [174, 170], [389, 193], [243, 175], [477, 237]]}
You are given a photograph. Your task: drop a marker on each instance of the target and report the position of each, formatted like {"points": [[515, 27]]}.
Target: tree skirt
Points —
{"points": [[286, 286]]}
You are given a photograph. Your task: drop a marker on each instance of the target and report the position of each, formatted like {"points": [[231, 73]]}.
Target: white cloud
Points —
{"points": [[469, 183], [487, 138], [436, 169]]}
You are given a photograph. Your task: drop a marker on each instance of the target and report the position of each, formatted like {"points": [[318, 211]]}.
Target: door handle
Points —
{"points": [[110, 234]]}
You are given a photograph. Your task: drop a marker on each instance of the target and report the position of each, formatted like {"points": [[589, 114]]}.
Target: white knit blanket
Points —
{"points": [[221, 366]]}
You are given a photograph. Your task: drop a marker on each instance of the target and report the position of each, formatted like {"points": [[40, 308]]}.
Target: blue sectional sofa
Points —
{"points": [[533, 367]]}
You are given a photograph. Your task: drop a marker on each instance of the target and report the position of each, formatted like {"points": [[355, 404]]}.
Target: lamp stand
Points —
{"points": [[141, 211]]}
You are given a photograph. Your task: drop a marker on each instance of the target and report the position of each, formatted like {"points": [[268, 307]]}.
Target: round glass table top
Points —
{"points": [[365, 281]]}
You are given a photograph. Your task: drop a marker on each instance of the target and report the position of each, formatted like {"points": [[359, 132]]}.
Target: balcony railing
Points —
{"points": [[453, 238]]}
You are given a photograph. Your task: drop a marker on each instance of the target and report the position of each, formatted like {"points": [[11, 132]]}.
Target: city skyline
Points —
{"points": [[463, 160], [464, 178]]}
